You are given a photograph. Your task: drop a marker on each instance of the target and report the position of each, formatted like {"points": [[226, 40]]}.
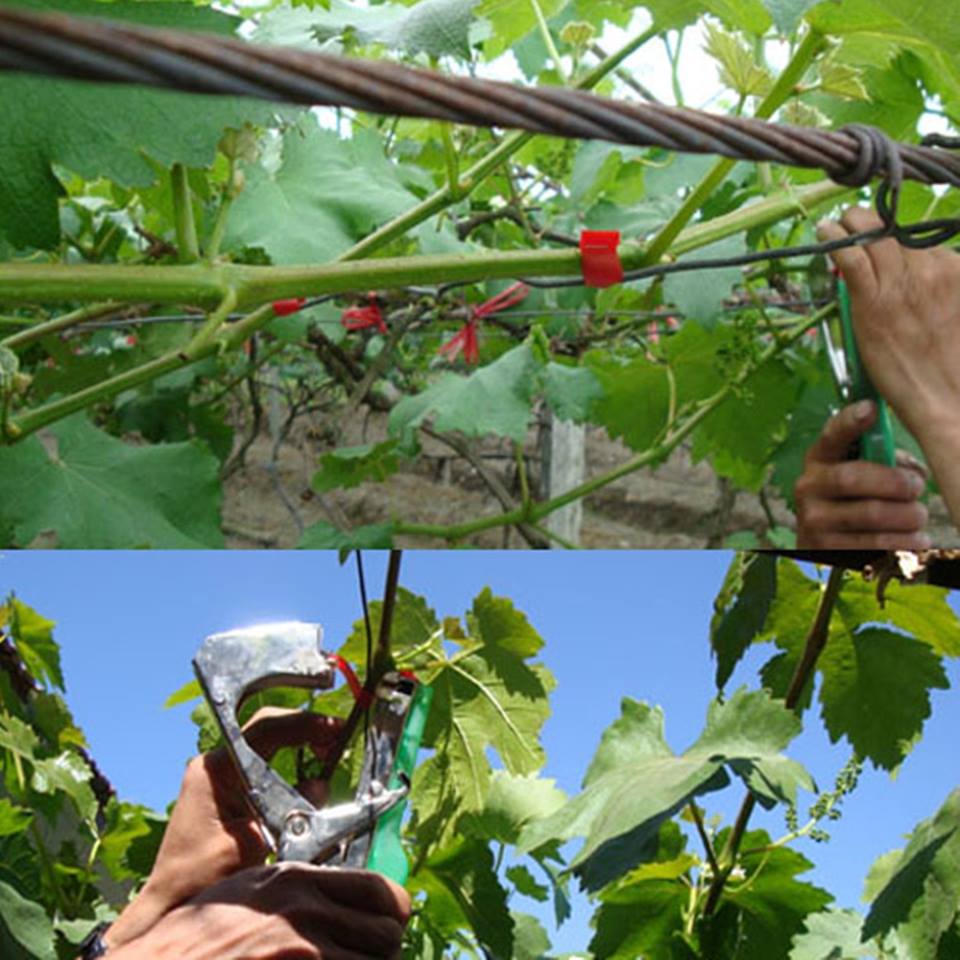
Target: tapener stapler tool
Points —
{"points": [[364, 832], [850, 375]]}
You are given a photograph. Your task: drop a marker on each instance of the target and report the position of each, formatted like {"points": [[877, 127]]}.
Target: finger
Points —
{"points": [[273, 728], [832, 540], [885, 255], [859, 480], [853, 262], [864, 516], [366, 890], [842, 431]]}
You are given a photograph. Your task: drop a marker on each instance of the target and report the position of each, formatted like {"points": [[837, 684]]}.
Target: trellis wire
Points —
{"points": [[86, 49]]}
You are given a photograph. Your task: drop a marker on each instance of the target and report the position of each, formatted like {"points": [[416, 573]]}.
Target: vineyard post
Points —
{"points": [[564, 468]]}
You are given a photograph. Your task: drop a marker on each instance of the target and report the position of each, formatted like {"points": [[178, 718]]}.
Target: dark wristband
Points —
{"points": [[93, 946]]}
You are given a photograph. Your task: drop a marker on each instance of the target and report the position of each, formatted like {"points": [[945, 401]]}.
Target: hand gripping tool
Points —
{"points": [[364, 832]]}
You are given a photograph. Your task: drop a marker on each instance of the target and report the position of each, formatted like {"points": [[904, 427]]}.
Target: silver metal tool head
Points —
{"points": [[233, 665]]}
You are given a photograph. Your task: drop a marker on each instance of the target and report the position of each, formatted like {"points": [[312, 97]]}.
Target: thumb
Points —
{"points": [[842, 431]]}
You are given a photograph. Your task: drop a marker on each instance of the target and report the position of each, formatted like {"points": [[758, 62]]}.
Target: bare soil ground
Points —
{"points": [[680, 505]]}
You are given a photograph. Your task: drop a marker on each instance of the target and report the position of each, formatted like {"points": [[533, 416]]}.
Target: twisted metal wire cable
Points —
{"points": [[86, 49]]}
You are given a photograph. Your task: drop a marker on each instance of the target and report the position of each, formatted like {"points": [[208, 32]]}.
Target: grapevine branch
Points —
{"points": [[262, 285], [802, 674], [375, 670]]}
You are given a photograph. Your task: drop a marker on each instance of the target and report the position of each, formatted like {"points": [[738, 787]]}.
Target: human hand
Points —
{"points": [[291, 911], [213, 831], [845, 504], [906, 314]]}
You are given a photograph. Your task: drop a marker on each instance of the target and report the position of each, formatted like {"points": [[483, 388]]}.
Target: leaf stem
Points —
{"points": [[40, 330], [704, 837], [187, 243], [548, 41], [816, 640], [483, 168], [811, 45]]}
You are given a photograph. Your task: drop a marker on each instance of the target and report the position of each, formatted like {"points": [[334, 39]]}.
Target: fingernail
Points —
{"points": [[823, 226], [915, 482], [862, 410]]}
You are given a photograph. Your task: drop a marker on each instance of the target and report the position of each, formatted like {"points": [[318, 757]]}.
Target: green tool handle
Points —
{"points": [[386, 855], [876, 445]]}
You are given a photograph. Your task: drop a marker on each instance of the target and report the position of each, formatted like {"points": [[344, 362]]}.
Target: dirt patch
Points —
{"points": [[679, 505]]}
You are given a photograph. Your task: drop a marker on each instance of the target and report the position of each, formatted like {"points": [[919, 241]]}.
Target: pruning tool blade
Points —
{"points": [[850, 375], [364, 832]]}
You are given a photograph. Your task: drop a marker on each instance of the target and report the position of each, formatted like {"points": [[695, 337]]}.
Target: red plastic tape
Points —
{"points": [[599, 259], [283, 308]]}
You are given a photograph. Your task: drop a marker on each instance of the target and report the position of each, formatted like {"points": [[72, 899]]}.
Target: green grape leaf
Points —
{"points": [[17, 736], [571, 392], [786, 14], [333, 191], [105, 130], [66, 773], [52, 718], [350, 466], [772, 903], [886, 676], [128, 827], [635, 782], [831, 935], [530, 940], [639, 919], [27, 923], [635, 399], [190, 691], [896, 102], [435, 27], [13, 819], [702, 300], [804, 424], [859, 657], [748, 15], [526, 884], [495, 399], [325, 536], [33, 635], [463, 890], [740, 434], [749, 730], [922, 28], [414, 624], [496, 622], [511, 20], [512, 802], [921, 898], [739, 69], [486, 696], [95, 491], [740, 609]]}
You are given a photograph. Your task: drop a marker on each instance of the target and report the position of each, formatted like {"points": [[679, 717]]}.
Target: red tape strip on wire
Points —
{"points": [[599, 259], [283, 308]]}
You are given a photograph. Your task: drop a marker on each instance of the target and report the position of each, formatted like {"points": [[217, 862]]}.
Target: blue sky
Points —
{"points": [[615, 624]]}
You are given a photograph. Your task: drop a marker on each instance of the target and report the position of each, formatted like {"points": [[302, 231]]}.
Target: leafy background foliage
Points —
{"points": [[487, 831], [134, 177]]}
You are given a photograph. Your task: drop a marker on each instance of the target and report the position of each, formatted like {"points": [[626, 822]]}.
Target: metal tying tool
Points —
{"points": [[850, 375], [364, 832]]}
